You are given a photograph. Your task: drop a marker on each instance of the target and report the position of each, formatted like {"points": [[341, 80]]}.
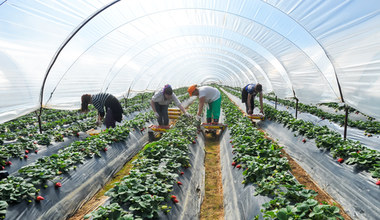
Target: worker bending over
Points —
{"points": [[248, 95], [209, 96], [101, 101], [160, 103]]}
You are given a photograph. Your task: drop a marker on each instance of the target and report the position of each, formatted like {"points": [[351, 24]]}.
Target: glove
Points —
{"points": [[187, 114], [156, 114], [198, 117]]}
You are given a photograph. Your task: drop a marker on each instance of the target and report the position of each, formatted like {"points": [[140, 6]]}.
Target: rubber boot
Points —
{"points": [[208, 120]]}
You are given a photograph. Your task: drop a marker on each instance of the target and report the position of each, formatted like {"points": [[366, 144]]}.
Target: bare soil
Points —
{"points": [[212, 207]]}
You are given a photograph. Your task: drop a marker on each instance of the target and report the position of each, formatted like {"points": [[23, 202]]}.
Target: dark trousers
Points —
{"points": [[114, 112], [163, 117], [244, 96], [109, 120]]}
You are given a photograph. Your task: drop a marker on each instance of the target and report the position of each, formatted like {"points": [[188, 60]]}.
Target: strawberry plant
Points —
{"points": [[331, 140], [112, 211], [268, 170]]}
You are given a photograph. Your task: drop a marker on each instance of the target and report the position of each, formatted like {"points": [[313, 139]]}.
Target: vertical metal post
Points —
{"points": [[296, 107], [39, 120], [126, 100], [345, 122], [275, 104]]}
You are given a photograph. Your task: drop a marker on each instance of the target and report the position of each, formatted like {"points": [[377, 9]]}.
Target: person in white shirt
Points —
{"points": [[209, 96], [160, 103]]}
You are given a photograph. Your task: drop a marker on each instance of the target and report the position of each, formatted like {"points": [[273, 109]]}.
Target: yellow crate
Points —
{"points": [[93, 132], [173, 116], [174, 113], [159, 128], [213, 126], [174, 110], [256, 116]]}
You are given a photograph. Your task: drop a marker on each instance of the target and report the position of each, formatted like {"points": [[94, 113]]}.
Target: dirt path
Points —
{"points": [[212, 206]]}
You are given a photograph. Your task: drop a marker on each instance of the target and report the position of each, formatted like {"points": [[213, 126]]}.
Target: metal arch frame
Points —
{"points": [[67, 40], [163, 11], [176, 9], [59, 50], [284, 75], [292, 43], [322, 48]]}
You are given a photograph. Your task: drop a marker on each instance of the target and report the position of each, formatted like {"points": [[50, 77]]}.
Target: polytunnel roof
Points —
{"points": [[52, 52]]}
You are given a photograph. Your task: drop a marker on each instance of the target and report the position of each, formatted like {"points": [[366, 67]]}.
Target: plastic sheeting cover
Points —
{"points": [[301, 46]]}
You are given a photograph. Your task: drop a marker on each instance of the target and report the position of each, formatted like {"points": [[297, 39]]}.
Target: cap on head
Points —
{"points": [[191, 89], [168, 89]]}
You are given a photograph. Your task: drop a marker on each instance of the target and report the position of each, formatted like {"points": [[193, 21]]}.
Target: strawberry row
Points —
{"points": [[51, 167], [57, 125], [146, 190], [370, 126], [351, 152], [264, 166]]}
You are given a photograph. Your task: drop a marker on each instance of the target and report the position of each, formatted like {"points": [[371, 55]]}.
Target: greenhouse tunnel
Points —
{"points": [[312, 51]]}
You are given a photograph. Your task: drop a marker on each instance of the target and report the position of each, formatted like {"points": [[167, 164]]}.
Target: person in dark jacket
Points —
{"points": [[248, 95], [107, 105]]}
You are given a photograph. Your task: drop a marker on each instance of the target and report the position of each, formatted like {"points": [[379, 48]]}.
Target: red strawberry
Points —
{"points": [[238, 166], [8, 163], [35, 142], [358, 151], [2, 168], [26, 151], [30, 135], [233, 146], [58, 184], [179, 183], [194, 142], [182, 173], [77, 134], [26, 156], [304, 140], [340, 160], [173, 196], [39, 198], [36, 151], [105, 149], [175, 201], [230, 141], [233, 163], [378, 182]]}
